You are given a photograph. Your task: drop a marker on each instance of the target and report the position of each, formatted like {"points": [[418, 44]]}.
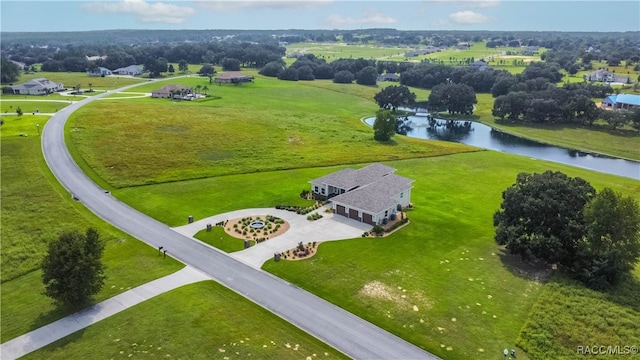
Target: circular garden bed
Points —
{"points": [[257, 228]]}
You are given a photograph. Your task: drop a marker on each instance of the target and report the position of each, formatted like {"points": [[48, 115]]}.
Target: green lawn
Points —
{"points": [[71, 79], [261, 126], [219, 238], [454, 197], [10, 105], [198, 321], [34, 210]]}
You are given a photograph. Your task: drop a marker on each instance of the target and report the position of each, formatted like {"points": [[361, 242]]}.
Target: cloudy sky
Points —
{"points": [[540, 15]]}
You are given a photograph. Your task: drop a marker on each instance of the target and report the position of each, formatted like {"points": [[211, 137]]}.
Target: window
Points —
{"points": [[315, 189], [322, 191], [401, 194]]}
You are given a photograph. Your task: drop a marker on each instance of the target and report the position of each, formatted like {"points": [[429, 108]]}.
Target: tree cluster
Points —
{"points": [[392, 97], [454, 98], [9, 72], [562, 220]]}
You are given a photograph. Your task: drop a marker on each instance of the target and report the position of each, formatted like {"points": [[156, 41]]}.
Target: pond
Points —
{"points": [[480, 135]]}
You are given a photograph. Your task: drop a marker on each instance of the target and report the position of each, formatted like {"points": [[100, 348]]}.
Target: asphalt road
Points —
{"points": [[342, 330]]}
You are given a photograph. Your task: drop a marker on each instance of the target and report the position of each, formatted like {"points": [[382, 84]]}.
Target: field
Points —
{"points": [[71, 79], [34, 210], [198, 321], [30, 106], [452, 220], [218, 238], [261, 126]]}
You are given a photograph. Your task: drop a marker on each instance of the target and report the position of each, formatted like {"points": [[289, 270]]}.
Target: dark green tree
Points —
{"points": [[541, 216], [343, 77], [156, 66], [611, 248], [208, 71], [19, 111], [183, 66], [272, 69], [9, 72], [384, 126], [367, 76], [171, 69], [290, 74], [230, 64], [393, 97], [455, 98], [72, 270]]}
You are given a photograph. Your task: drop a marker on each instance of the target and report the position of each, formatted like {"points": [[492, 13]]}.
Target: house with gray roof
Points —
{"points": [[40, 86], [131, 70], [603, 75], [389, 77], [173, 92], [370, 194], [99, 71]]}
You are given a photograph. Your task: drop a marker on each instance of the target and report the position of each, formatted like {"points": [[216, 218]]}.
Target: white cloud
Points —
{"points": [[371, 18], [229, 6], [469, 17], [145, 12]]}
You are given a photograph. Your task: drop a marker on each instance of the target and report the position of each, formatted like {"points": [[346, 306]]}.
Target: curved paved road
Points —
{"points": [[338, 328]]}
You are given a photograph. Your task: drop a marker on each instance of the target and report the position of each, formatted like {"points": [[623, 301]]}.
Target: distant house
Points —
{"points": [[621, 101], [97, 57], [174, 92], [39, 86], [389, 77], [603, 75], [296, 54], [233, 77], [131, 70], [370, 194], [100, 71], [480, 65], [530, 50]]}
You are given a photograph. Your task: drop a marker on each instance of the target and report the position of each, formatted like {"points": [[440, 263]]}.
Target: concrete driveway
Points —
{"points": [[331, 227]]}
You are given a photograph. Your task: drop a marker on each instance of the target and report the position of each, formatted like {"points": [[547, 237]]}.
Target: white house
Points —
{"points": [[40, 86], [131, 70], [603, 75], [370, 194], [99, 71]]}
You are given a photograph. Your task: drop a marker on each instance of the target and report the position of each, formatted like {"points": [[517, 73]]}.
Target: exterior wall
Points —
{"points": [[404, 198], [159, 94]]}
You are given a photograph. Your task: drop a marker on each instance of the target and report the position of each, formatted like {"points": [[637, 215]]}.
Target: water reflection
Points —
{"points": [[480, 135]]}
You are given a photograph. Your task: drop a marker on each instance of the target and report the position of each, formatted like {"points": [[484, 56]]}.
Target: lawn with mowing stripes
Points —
{"points": [[198, 321]]}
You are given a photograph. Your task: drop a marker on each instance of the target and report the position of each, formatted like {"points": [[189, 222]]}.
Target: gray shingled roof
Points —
{"points": [[349, 178], [375, 197]]}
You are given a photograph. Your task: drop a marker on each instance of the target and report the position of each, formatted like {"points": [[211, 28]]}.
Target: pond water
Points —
{"points": [[483, 136]]}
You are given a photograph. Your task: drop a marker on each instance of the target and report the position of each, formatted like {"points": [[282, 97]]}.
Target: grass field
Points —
{"points": [[71, 79], [34, 210], [27, 106], [261, 126], [218, 238], [198, 321], [454, 197]]}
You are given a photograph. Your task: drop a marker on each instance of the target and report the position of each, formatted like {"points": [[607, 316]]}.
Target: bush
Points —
{"points": [[378, 230]]}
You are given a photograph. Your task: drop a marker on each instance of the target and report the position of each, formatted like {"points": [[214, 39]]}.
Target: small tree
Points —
{"points": [[384, 126], [19, 111], [171, 69], [183, 66], [205, 89], [72, 270]]}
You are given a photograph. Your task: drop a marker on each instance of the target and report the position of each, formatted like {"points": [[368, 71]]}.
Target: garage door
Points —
{"points": [[367, 218], [341, 210], [354, 214]]}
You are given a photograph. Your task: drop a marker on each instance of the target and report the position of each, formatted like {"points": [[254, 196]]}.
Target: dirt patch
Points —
{"points": [[405, 300], [240, 228]]}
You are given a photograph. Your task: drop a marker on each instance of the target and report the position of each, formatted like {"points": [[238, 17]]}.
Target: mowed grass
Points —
{"points": [[35, 209], [197, 321], [10, 106], [599, 138], [445, 262], [261, 126], [71, 79], [219, 238]]}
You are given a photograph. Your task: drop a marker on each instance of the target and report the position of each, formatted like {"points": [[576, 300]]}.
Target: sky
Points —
{"points": [[501, 15]]}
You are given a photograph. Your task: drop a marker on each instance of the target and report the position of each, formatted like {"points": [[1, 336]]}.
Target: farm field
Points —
{"points": [[34, 210], [452, 220], [197, 321]]}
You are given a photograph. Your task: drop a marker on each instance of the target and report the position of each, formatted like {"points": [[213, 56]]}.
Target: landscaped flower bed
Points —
{"points": [[302, 251], [258, 228]]}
